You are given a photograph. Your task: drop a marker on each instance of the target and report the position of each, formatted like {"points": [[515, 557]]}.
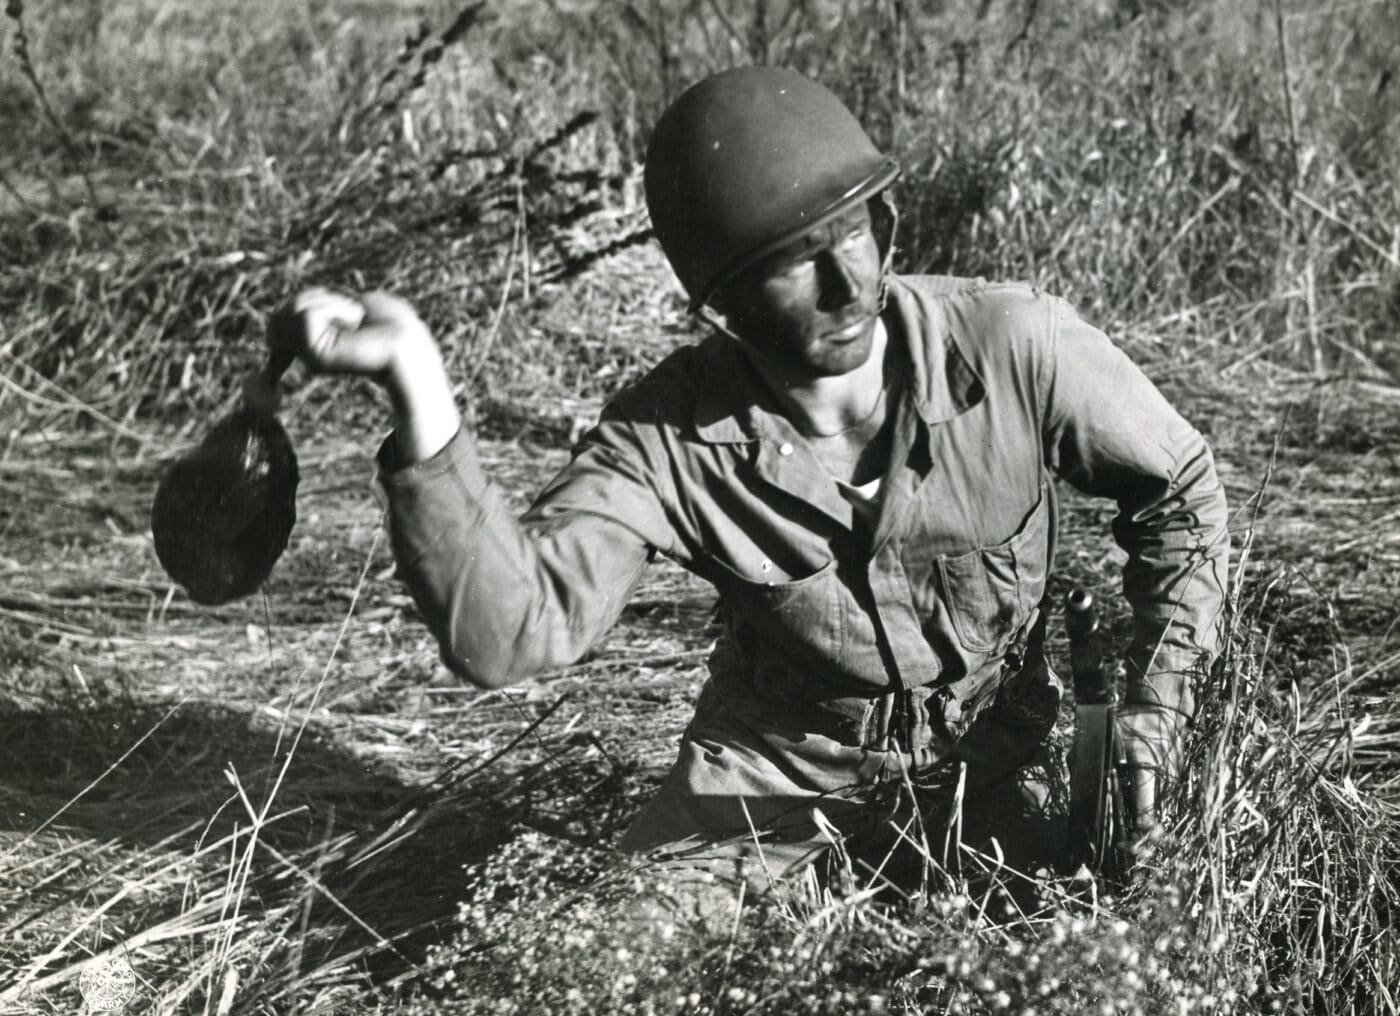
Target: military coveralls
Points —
{"points": [[849, 649]]}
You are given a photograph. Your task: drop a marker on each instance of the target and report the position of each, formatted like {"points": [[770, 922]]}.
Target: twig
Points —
{"points": [[723, 15], [1032, 7], [1143, 275], [320, 887], [241, 872], [1351, 228], [1287, 83], [74, 402], [15, 10], [163, 932], [483, 349], [404, 826], [8, 186]]}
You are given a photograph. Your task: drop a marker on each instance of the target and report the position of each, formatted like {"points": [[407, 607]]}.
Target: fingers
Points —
{"points": [[335, 333], [298, 328], [328, 303], [388, 319], [381, 306], [325, 315]]}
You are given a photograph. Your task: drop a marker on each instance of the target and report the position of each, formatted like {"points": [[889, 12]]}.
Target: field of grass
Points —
{"points": [[287, 805]]}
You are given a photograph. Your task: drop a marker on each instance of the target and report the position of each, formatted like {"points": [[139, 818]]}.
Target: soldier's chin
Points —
{"points": [[844, 356]]}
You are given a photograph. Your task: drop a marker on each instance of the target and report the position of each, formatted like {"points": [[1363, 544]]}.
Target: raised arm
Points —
{"points": [[505, 598]]}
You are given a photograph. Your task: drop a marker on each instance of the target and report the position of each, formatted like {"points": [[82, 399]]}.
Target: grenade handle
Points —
{"points": [[278, 362], [260, 386], [1093, 683], [1081, 614]]}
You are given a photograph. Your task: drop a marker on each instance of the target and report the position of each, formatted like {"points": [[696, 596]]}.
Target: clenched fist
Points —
{"points": [[381, 337], [332, 333]]}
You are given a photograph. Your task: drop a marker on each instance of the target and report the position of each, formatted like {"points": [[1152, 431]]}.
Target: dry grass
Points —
{"points": [[144, 746], [284, 805]]}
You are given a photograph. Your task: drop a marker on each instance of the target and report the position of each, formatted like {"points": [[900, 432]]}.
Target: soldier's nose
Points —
{"points": [[839, 284]]}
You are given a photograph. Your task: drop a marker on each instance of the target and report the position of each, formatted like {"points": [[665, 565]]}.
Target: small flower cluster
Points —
{"points": [[550, 927], [545, 928]]}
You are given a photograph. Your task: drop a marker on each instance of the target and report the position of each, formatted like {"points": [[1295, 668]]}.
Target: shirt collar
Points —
{"points": [[733, 407], [945, 384], [730, 394]]}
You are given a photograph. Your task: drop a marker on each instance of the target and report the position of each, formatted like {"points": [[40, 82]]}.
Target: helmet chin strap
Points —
{"points": [[712, 317], [882, 207], [885, 217]]}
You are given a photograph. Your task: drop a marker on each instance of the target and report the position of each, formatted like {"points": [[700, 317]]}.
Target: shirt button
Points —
{"points": [[785, 448]]}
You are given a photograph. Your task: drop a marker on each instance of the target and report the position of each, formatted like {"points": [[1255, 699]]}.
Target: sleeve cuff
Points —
{"points": [[458, 457], [1171, 683]]}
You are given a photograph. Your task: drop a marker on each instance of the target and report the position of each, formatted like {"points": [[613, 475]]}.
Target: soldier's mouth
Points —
{"points": [[849, 332]]}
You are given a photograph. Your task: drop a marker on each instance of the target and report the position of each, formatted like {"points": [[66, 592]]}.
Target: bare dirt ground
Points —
{"points": [[304, 758]]}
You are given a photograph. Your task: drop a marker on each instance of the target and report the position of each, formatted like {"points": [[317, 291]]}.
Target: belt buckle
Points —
{"points": [[912, 730]]}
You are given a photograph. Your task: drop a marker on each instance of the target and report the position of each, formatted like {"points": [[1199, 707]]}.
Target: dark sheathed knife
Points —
{"points": [[1097, 817]]}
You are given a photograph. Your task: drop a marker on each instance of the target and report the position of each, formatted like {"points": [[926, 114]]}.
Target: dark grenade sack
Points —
{"points": [[223, 511]]}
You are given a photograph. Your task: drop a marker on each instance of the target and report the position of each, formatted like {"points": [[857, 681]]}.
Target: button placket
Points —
{"points": [[914, 657], [784, 464]]}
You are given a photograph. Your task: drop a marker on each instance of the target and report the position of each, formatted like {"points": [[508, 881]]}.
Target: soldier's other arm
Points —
{"points": [[1111, 433]]}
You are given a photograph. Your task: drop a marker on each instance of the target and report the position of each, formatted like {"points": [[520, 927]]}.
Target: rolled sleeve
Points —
{"points": [[508, 597], [1111, 433]]}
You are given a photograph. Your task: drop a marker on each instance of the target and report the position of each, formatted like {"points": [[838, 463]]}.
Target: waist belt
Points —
{"points": [[924, 723], [927, 722]]}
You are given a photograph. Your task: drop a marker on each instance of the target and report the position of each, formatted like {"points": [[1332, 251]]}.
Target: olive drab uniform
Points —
{"points": [[851, 651], [868, 634]]}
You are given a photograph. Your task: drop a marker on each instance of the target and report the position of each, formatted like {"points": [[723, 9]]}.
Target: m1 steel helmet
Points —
{"points": [[747, 161]]}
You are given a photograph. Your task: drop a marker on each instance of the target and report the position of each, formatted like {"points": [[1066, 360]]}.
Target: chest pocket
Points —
{"points": [[990, 592], [803, 619]]}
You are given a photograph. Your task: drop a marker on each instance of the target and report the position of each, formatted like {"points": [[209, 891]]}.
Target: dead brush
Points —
{"points": [[185, 797], [1144, 168], [372, 202], [14, 10]]}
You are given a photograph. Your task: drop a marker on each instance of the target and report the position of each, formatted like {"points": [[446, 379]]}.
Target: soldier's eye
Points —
{"points": [[794, 267]]}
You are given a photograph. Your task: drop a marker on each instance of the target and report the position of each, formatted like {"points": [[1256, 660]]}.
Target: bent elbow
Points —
{"points": [[472, 672]]}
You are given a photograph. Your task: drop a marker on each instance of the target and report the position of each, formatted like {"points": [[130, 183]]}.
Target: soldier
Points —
{"points": [[861, 463]]}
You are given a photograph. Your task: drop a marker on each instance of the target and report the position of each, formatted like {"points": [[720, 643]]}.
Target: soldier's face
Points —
{"points": [[810, 307]]}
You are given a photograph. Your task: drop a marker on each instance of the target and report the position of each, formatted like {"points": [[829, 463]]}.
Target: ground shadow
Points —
{"points": [[390, 853]]}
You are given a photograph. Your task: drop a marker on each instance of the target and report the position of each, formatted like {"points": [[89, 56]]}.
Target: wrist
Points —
{"points": [[425, 412], [415, 367]]}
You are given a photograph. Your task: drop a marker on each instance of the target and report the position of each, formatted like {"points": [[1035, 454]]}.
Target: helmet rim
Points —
{"points": [[883, 176]]}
